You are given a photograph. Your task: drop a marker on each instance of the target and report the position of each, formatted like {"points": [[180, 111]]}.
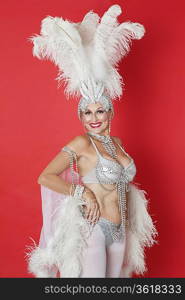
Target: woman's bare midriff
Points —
{"points": [[107, 200]]}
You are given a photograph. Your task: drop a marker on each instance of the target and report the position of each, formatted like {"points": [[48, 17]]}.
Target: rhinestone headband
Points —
{"points": [[93, 91], [104, 100]]}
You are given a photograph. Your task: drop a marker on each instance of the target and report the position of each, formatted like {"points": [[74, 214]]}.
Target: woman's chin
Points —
{"points": [[97, 130]]}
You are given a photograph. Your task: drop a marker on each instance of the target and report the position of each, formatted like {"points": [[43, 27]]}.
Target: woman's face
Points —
{"points": [[95, 119]]}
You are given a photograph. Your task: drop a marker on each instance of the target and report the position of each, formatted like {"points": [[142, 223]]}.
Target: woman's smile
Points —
{"points": [[95, 118], [95, 125]]}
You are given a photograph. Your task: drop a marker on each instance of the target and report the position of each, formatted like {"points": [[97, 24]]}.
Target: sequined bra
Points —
{"points": [[108, 171]]}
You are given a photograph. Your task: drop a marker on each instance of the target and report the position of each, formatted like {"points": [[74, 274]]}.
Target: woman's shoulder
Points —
{"points": [[80, 140], [78, 144], [117, 140]]}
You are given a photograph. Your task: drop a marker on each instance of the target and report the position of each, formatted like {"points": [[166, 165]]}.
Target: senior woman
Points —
{"points": [[101, 197], [95, 220]]}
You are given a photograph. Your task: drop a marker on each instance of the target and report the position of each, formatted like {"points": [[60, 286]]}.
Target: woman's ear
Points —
{"points": [[111, 115], [80, 115]]}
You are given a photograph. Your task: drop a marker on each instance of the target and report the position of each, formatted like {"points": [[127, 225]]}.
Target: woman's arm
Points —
{"points": [[49, 176], [51, 179]]}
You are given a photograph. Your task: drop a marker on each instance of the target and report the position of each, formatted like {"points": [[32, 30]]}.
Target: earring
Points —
{"points": [[109, 128]]}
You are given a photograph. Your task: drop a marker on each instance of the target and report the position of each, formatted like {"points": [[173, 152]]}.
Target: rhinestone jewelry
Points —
{"points": [[78, 188], [73, 161], [106, 142], [104, 100], [93, 92], [121, 184], [79, 191]]}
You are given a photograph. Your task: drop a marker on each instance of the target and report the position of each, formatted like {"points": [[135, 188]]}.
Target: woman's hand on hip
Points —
{"points": [[92, 211]]}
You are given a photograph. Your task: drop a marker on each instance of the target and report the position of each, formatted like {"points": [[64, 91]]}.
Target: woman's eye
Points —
{"points": [[100, 111], [87, 112]]}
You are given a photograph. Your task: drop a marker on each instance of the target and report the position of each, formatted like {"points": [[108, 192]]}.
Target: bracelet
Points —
{"points": [[78, 191], [71, 190]]}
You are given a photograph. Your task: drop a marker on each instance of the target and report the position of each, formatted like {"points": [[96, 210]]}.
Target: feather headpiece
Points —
{"points": [[87, 53]]}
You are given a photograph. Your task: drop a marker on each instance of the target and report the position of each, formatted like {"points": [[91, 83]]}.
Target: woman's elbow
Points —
{"points": [[41, 179]]}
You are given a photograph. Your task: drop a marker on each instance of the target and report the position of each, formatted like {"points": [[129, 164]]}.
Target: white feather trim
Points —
{"points": [[64, 249], [90, 49], [118, 44], [140, 233], [87, 27]]}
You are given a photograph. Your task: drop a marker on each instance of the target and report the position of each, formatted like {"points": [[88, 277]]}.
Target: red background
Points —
{"points": [[37, 121]]}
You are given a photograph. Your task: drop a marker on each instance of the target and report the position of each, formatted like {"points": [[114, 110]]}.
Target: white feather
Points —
{"points": [[87, 27], [70, 232], [64, 249], [118, 44], [141, 232], [87, 50]]}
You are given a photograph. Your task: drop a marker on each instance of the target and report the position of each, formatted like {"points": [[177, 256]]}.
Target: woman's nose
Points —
{"points": [[94, 117]]}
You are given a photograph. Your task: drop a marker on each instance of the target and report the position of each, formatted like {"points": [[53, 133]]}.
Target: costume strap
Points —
{"points": [[73, 164]]}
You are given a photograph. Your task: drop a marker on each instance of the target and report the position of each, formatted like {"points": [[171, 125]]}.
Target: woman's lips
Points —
{"points": [[95, 125]]}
